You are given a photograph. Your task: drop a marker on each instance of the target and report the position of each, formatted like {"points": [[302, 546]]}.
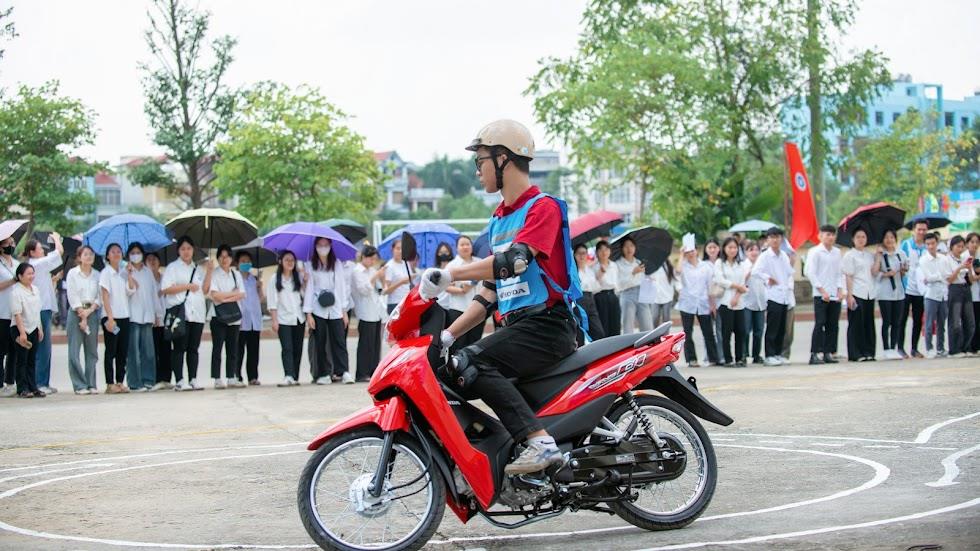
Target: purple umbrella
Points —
{"points": [[299, 238]]}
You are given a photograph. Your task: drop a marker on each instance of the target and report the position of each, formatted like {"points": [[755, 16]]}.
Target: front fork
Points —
{"points": [[384, 464]]}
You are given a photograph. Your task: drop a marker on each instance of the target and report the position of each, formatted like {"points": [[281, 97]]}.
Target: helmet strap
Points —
{"points": [[498, 169]]}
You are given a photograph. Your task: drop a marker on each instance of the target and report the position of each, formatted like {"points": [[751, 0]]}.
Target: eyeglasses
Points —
{"points": [[479, 161]]}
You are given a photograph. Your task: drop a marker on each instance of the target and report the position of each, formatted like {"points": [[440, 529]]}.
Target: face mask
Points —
{"points": [[9, 250], [245, 267], [323, 251], [136, 258], [444, 257]]}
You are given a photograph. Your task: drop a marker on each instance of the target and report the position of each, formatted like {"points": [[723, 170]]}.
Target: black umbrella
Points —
{"points": [[169, 253], [210, 228], [261, 257], [351, 230], [653, 246], [875, 219], [934, 219]]}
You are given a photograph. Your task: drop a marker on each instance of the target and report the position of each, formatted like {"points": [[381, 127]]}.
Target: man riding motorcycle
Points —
{"points": [[529, 277]]}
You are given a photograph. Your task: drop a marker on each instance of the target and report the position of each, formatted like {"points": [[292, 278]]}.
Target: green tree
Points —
{"points": [[187, 101], [289, 156], [911, 160], [7, 29], [39, 130], [468, 206], [966, 153], [456, 176]]}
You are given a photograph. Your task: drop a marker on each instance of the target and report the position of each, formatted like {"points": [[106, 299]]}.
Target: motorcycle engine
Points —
{"points": [[523, 490]]}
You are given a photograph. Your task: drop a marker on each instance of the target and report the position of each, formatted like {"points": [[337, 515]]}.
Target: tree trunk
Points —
{"points": [[814, 62]]}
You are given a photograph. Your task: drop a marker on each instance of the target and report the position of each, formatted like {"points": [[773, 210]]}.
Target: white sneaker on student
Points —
{"points": [[83, 392], [159, 386], [323, 380], [347, 378], [235, 382], [48, 390], [773, 361], [196, 385], [8, 391], [930, 354], [141, 389], [182, 386], [288, 381], [219, 384]]}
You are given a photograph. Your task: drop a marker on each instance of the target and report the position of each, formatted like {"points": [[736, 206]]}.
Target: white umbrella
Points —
{"points": [[752, 225]]}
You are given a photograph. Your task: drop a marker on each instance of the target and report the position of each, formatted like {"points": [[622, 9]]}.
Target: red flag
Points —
{"points": [[804, 226]]}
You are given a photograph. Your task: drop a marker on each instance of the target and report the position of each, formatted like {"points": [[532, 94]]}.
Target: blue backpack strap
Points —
{"points": [[574, 291]]}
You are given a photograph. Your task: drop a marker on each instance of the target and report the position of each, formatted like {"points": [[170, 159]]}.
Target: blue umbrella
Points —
{"points": [[126, 229], [933, 219], [427, 235], [300, 237], [481, 246]]}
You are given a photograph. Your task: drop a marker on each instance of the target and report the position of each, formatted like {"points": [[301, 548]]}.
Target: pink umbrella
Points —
{"points": [[592, 225]]}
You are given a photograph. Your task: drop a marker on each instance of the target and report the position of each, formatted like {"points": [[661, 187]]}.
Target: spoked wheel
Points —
{"points": [[674, 503], [337, 506]]}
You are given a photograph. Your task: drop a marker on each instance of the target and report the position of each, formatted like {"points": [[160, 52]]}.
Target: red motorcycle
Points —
{"points": [[382, 477]]}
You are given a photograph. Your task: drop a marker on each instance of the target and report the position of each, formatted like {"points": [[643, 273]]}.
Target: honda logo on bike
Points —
{"points": [[615, 373]]}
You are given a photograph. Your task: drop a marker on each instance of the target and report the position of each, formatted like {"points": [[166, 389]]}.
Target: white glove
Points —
{"points": [[447, 339], [430, 289]]}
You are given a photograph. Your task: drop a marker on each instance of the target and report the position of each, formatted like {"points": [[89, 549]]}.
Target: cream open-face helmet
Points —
{"points": [[508, 134]]}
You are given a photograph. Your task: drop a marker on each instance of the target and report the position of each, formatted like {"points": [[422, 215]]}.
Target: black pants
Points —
{"points": [[248, 345], [707, 331], [961, 322], [975, 344], [596, 332], [224, 336], [826, 326], [161, 353], [917, 306], [755, 323], [610, 315], [520, 350], [7, 353], [891, 322], [331, 347], [291, 342], [368, 348], [24, 360], [187, 345], [861, 330], [732, 321], [116, 351], [775, 328]]}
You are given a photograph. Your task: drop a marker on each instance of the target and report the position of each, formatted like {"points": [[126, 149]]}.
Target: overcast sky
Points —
{"points": [[419, 76]]}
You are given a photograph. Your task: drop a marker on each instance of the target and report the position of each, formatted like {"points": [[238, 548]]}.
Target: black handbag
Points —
{"points": [[175, 320], [228, 312], [326, 299]]}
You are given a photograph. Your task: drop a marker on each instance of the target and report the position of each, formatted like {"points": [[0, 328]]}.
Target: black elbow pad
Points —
{"points": [[512, 262]]}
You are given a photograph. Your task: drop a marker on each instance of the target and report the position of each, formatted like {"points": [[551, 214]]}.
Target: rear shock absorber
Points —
{"points": [[643, 420]]}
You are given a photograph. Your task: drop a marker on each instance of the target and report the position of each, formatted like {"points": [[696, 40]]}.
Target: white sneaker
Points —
{"points": [[236, 383], [783, 360], [323, 380], [536, 457], [160, 386], [288, 381], [347, 378], [182, 386], [195, 385], [8, 391], [141, 389], [773, 361], [48, 390], [83, 392], [930, 354], [293, 382], [219, 384]]}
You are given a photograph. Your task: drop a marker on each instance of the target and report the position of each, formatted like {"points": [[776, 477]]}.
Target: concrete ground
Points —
{"points": [[882, 455]]}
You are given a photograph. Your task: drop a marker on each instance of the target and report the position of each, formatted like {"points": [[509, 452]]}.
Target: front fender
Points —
{"points": [[669, 382], [388, 415]]}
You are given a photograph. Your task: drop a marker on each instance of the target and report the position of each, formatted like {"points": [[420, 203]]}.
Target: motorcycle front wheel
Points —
{"points": [[339, 511]]}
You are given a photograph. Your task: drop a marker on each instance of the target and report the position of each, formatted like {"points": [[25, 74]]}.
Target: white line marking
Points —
{"points": [[932, 448], [775, 441], [827, 444], [818, 437], [927, 432], [42, 473], [881, 446], [952, 471], [881, 474], [815, 531]]}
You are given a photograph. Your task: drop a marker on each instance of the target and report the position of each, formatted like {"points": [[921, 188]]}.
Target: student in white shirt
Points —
{"points": [[461, 294], [973, 247], [116, 287], [711, 254], [182, 284], [755, 307], [961, 322], [225, 288], [590, 286], [284, 296], [325, 304], [934, 270], [369, 311], [665, 285], [891, 264], [606, 303], [774, 269], [8, 269], [444, 255], [732, 275], [823, 270], [860, 273], [249, 337], [161, 348], [44, 264], [141, 373], [82, 325], [397, 278], [913, 247], [636, 315], [695, 302], [25, 307]]}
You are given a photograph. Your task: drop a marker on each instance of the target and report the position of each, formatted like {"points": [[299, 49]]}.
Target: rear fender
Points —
{"points": [[669, 382], [388, 415]]}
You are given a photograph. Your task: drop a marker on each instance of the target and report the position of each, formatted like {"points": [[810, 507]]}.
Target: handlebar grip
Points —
{"points": [[435, 277]]}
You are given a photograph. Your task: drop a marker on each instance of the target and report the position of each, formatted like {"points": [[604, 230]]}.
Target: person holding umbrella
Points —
{"points": [[325, 304], [695, 302], [251, 330], [182, 284], [775, 271], [43, 264], [892, 264], [606, 303], [914, 248], [142, 369], [116, 287], [860, 272], [8, 271]]}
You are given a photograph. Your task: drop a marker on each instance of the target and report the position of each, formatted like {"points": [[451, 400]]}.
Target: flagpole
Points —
{"points": [[786, 190]]}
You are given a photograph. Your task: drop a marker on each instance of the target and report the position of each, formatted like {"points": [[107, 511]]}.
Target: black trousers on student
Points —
{"points": [[891, 323], [775, 328], [975, 344], [732, 321], [707, 331], [368, 348], [521, 349], [610, 315], [961, 322], [116, 351], [917, 306], [161, 353], [861, 330], [7, 353], [248, 346], [25, 360], [291, 341], [187, 345], [826, 326], [224, 336], [596, 332], [331, 347]]}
